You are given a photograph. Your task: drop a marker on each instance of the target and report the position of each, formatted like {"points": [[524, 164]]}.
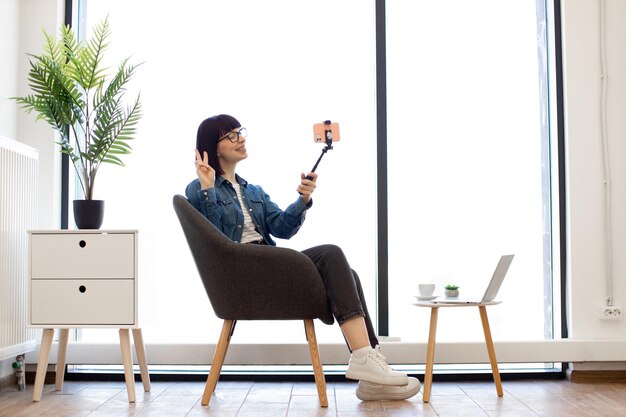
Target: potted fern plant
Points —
{"points": [[71, 91]]}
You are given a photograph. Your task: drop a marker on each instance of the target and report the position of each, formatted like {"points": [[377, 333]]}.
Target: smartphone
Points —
{"points": [[320, 129]]}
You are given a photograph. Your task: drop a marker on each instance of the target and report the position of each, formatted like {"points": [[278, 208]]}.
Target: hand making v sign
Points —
{"points": [[206, 174]]}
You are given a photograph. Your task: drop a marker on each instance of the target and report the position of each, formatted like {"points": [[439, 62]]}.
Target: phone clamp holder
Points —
{"points": [[328, 134]]}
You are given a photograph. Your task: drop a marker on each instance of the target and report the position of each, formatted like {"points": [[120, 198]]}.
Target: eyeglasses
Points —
{"points": [[234, 136]]}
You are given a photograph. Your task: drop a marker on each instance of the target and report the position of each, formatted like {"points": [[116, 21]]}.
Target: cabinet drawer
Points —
{"points": [[82, 302], [84, 255]]}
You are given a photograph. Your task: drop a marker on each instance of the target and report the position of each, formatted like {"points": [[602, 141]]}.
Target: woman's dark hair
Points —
{"points": [[209, 132]]}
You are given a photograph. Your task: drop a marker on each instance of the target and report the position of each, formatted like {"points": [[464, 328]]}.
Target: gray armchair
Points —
{"points": [[254, 282]]}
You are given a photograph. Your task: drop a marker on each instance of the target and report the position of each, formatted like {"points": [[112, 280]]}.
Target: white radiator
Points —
{"points": [[19, 169]]}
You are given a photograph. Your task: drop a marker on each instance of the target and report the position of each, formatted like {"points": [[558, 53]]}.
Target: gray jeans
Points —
{"points": [[343, 286]]}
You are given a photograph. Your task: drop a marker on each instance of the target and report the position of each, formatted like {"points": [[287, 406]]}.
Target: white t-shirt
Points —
{"points": [[249, 231]]}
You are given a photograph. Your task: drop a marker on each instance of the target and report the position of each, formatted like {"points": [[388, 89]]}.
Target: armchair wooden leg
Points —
{"points": [[218, 360], [320, 381]]}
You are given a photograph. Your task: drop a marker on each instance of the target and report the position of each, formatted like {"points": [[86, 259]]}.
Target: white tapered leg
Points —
{"points": [[127, 359], [142, 359], [42, 365]]}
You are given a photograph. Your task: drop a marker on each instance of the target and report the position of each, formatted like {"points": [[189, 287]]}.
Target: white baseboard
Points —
{"points": [[565, 350]]}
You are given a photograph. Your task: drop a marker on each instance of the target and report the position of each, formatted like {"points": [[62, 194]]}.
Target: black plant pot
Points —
{"points": [[88, 214]]}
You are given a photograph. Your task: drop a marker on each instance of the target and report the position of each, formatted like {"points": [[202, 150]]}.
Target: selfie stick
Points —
{"points": [[329, 145]]}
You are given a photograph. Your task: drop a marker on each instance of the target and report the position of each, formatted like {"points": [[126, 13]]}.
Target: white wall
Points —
{"points": [[34, 17], [585, 191], [21, 22], [585, 201], [9, 27]]}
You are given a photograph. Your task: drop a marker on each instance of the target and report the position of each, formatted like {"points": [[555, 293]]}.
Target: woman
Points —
{"points": [[246, 214]]}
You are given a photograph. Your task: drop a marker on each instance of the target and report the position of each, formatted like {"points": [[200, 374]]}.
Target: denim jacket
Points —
{"points": [[221, 206]]}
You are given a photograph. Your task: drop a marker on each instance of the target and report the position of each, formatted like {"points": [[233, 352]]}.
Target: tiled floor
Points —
{"points": [[260, 399]]}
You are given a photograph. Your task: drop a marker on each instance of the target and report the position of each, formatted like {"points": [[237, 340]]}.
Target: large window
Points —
{"points": [[466, 148], [465, 162], [277, 66]]}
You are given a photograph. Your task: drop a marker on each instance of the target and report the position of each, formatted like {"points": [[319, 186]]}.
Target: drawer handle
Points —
{"points": [[82, 289], [82, 243]]}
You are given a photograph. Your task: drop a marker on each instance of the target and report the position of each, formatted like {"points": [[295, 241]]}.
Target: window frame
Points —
{"points": [[555, 111]]}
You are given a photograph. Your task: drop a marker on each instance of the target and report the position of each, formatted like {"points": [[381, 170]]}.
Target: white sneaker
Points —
{"points": [[372, 367], [366, 391]]}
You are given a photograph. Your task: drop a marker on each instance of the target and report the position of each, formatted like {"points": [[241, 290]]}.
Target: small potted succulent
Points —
{"points": [[451, 290]]}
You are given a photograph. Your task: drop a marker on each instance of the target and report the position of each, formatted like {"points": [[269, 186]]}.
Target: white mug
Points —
{"points": [[426, 290]]}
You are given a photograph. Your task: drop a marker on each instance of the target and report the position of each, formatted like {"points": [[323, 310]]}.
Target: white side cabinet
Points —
{"points": [[84, 278]]}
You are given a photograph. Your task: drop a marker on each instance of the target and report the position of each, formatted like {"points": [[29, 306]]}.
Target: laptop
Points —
{"points": [[492, 288]]}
